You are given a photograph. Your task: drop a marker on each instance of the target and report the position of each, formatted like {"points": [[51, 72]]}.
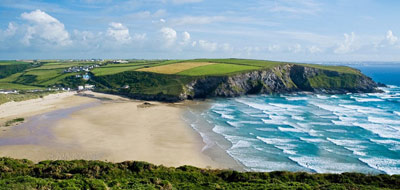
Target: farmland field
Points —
{"points": [[175, 68], [217, 69]]}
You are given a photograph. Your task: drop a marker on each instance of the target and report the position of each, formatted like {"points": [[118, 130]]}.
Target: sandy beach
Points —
{"points": [[28, 108], [111, 128]]}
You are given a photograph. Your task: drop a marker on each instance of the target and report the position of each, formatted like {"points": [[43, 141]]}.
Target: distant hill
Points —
{"points": [[176, 80]]}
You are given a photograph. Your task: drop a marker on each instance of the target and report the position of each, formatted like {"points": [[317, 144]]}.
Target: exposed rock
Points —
{"points": [[282, 79]]}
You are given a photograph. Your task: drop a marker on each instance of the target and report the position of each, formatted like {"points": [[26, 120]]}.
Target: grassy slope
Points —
{"points": [[79, 174], [50, 74], [139, 81], [217, 69], [23, 96]]}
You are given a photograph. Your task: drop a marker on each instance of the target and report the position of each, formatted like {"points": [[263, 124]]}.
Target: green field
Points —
{"points": [[217, 69], [156, 78]]}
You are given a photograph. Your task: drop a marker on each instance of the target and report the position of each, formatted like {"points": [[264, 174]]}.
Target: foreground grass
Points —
{"points": [[79, 174]]}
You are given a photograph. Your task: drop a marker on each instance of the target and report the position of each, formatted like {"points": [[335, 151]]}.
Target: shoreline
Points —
{"points": [[86, 133]]}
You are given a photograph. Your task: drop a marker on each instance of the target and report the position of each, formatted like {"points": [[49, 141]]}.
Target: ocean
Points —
{"points": [[308, 132]]}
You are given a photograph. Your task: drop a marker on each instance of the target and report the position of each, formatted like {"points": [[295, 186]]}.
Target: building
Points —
{"points": [[86, 77], [89, 87], [80, 88]]}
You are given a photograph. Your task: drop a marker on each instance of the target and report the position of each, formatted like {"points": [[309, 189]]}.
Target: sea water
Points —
{"points": [[309, 132]]}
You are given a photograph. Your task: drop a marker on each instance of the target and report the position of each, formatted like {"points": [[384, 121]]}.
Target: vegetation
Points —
{"points": [[217, 69], [175, 68], [9, 68], [23, 96], [151, 79], [80, 174], [14, 121], [141, 83]]}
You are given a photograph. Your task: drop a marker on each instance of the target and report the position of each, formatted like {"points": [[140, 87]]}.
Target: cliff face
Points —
{"points": [[282, 79], [285, 78]]}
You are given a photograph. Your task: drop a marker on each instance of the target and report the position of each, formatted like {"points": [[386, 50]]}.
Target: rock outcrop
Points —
{"points": [[285, 78], [282, 79]]}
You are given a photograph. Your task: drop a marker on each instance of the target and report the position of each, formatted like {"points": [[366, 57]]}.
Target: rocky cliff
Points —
{"points": [[285, 78], [282, 79]]}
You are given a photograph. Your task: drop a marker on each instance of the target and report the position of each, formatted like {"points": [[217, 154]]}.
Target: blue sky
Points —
{"points": [[289, 30]]}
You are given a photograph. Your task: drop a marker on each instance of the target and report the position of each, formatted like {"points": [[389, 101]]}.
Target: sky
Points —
{"points": [[285, 30]]}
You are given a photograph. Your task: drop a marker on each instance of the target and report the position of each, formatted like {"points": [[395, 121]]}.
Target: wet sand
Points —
{"points": [[111, 128]]}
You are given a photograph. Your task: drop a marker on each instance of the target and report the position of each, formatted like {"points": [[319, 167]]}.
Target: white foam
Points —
{"points": [[330, 107], [352, 145], [368, 100], [392, 86], [396, 112], [363, 109], [389, 166], [219, 129], [258, 106], [314, 133], [342, 123], [266, 129], [282, 144], [381, 130], [241, 144], [296, 98], [296, 117], [337, 130], [323, 165], [322, 97], [294, 130], [312, 140], [394, 145], [285, 106], [383, 120], [275, 120], [234, 124], [251, 122], [224, 114]]}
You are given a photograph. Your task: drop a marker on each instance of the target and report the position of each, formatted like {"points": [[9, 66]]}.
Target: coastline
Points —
{"points": [[109, 128]]}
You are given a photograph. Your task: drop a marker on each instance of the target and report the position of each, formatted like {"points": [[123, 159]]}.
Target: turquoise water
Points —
{"points": [[305, 132]]}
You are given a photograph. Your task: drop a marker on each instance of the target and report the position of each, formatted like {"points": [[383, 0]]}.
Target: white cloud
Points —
{"points": [[45, 27], [186, 38], [197, 20], [227, 47], [295, 6], [348, 45], [140, 37], [391, 38], [208, 46], [251, 50], [185, 1], [274, 48], [296, 48], [119, 32], [314, 49], [169, 35], [11, 29]]}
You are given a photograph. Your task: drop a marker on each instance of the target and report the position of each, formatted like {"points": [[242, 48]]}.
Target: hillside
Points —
{"points": [[80, 174], [176, 80]]}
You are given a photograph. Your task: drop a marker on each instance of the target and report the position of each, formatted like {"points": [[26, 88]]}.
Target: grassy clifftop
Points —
{"points": [[79, 174], [174, 80], [202, 78]]}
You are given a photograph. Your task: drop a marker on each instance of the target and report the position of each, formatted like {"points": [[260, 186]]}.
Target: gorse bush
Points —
{"points": [[80, 174]]}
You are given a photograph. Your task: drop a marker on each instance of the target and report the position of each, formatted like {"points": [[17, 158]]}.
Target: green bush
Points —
{"points": [[81, 174]]}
